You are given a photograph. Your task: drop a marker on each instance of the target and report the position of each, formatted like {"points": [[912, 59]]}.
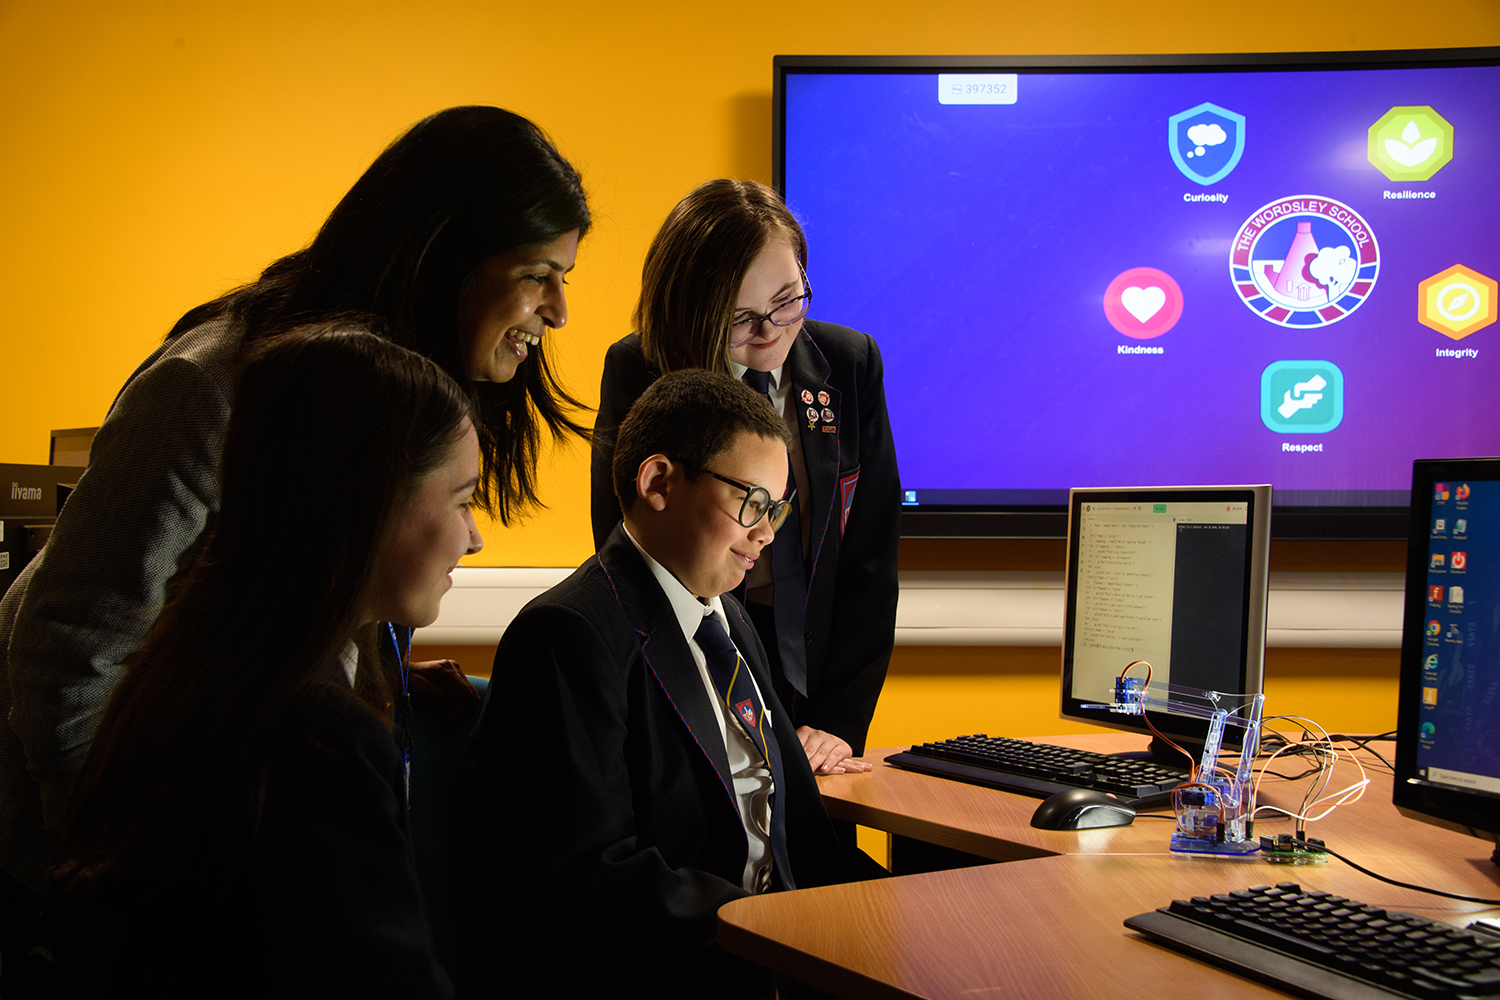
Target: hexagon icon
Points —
{"points": [[1458, 301], [1411, 143]]}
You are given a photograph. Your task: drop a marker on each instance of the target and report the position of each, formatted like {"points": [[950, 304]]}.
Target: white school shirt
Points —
{"points": [[752, 778]]}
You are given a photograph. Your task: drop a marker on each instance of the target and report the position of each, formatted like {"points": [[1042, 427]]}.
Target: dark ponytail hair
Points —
{"points": [[331, 431], [401, 246]]}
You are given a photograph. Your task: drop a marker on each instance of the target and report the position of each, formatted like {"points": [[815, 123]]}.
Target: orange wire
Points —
{"points": [[1192, 764]]}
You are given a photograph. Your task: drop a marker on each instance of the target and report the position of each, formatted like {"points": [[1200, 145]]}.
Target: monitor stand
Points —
{"points": [[1162, 752]]}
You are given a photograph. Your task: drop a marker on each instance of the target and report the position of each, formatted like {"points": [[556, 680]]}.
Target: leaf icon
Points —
{"points": [[1407, 155], [1411, 133]]}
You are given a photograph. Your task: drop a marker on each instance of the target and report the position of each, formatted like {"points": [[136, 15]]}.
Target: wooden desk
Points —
{"points": [[1050, 924], [1048, 927], [997, 825]]}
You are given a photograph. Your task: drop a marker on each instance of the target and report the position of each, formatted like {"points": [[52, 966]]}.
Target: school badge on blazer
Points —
{"points": [[846, 498]]}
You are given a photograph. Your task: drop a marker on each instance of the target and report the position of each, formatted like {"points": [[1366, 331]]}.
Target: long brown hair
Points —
{"points": [[459, 187], [331, 430], [696, 265]]}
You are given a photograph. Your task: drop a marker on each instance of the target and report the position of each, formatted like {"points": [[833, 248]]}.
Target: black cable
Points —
{"points": [[1296, 777], [1322, 848], [1273, 740], [1363, 742]]}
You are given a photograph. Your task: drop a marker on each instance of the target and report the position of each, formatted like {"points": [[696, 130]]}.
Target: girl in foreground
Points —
{"points": [[239, 825]]}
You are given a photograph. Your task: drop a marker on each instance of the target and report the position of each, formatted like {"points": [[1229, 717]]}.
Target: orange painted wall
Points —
{"points": [[155, 153]]}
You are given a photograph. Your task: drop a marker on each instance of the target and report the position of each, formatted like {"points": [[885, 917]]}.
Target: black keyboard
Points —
{"points": [[1040, 769], [1328, 946]]}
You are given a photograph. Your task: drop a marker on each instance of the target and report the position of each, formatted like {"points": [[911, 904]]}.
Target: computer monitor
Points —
{"points": [[1448, 719], [1158, 268], [1175, 576]]}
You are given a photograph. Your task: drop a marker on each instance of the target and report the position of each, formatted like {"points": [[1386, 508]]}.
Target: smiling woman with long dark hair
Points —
{"points": [[454, 243], [239, 825]]}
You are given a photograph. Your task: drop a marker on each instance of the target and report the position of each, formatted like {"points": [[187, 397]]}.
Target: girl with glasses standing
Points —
{"points": [[725, 287]]}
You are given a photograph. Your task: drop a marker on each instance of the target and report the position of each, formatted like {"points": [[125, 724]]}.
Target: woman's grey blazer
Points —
{"points": [[85, 602]]}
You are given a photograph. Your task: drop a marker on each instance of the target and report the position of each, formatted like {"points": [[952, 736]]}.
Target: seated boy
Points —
{"points": [[638, 770]]}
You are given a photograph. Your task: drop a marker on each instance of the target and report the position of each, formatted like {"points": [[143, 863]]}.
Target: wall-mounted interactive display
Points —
{"points": [[1119, 271]]}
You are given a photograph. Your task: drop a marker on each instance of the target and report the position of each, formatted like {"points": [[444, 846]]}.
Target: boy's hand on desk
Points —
{"points": [[442, 684], [827, 754]]}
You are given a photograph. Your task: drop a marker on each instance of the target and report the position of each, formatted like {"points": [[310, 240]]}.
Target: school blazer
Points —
{"points": [[855, 512], [608, 817]]}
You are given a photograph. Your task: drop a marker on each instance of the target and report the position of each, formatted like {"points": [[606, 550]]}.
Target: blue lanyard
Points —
{"points": [[403, 669]]}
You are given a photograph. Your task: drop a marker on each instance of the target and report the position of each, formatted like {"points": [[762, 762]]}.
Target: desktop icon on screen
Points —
{"points": [[1458, 301], [1429, 696], [1461, 526], [1462, 493], [1143, 303], [1460, 560], [1455, 595], [1438, 560], [1440, 492], [1302, 397], [1435, 594], [1206, 142], [1433, 627], [1439, 525], [1428, 729], [1410, 143], [1431, 663]]}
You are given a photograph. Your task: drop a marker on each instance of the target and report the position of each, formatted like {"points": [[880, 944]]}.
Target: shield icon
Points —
{"points": [[1206, 142]]}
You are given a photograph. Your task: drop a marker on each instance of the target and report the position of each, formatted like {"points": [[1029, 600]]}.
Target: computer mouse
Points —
{"points": [[1081, 809]]}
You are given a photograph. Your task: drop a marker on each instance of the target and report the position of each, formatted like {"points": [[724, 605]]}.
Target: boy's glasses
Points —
{"points": [[758, 503]]}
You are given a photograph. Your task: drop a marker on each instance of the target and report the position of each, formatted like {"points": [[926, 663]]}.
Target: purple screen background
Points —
{"points": [[975, 244]]}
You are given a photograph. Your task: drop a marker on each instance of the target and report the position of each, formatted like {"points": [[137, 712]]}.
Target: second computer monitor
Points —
{"points": [[1175, 576], [1448, 720]]}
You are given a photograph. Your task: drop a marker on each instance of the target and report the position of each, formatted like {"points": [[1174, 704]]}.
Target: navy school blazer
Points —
{"points": [[609, 834], [850, 604]]}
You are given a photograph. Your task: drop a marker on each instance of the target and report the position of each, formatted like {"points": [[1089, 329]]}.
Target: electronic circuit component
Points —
{"points": [[1284, 850], [1214, 808]]}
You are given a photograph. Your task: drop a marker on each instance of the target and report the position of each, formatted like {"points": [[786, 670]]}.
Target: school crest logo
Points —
{"points": [[1206, 142], [1304, 261], [746, 710]]}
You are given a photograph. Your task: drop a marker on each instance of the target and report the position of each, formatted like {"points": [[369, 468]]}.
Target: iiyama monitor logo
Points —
{"points": [[19, 492]]}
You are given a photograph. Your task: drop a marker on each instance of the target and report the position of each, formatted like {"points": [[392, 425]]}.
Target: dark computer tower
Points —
{"points": [[30, 497]]}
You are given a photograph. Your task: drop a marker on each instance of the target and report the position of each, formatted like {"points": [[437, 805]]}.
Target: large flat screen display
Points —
{"points": [[1099, 272]]}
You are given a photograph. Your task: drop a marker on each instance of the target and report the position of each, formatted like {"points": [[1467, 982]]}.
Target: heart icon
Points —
{"points": [[1143, 303]]}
